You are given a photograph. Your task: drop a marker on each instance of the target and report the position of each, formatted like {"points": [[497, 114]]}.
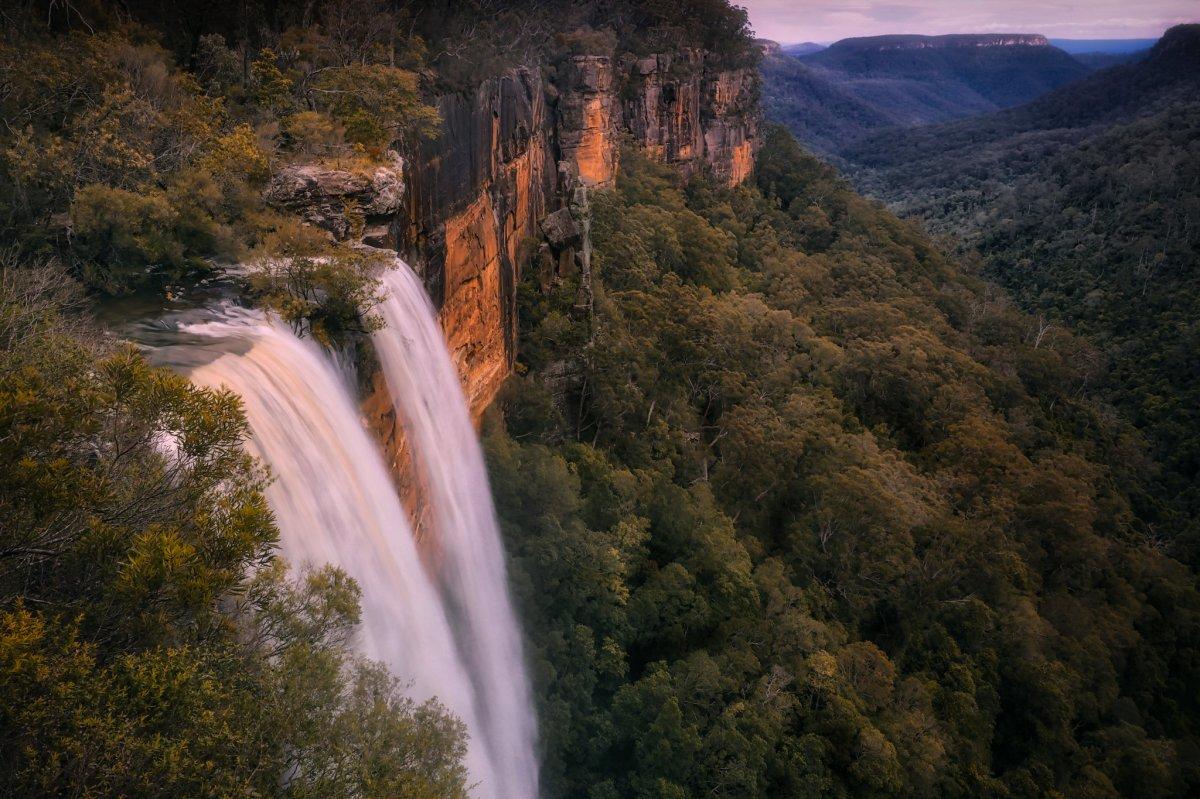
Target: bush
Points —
{"points": [[317, 287], [151, 643]]}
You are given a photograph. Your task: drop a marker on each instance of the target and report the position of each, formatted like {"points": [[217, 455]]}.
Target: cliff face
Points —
{"points": [[685, 113], [512, 152], [505, 183], [474, 197]]}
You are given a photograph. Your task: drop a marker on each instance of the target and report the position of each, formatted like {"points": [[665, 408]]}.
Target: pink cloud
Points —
{"points": [[829, 20]]}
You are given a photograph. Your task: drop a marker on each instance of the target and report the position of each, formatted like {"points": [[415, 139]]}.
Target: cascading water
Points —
{"points": [[425, 388], [334, 502]]}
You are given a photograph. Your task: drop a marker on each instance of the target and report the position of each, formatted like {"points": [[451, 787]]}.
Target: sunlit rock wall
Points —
{"points": [[511, 152]]}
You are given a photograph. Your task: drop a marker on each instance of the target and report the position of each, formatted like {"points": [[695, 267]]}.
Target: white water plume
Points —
{"points": [[335, 502], [425, 387]]}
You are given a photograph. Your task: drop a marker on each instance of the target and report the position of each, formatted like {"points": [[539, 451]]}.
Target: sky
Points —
{"points": [[790, 21]]}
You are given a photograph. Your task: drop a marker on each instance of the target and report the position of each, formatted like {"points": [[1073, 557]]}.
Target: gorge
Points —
{"points": [[440, 399]]}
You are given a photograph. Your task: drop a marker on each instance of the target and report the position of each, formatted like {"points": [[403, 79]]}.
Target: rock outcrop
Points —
{"points": [[506, 183], [586, 121], [683, 112], [492, 191], [475, 197], [342, 201]]}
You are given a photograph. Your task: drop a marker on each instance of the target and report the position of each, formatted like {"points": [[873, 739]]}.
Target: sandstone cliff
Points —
{"points": [[503, 183], [513, 152]]}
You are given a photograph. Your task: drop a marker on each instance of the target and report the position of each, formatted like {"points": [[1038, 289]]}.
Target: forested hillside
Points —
{"points": [[795, 502], [1086, 205], [800, 509], [1000, 70], [152, 642], [822, 113]]}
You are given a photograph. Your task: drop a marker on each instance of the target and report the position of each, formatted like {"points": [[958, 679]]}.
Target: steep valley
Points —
{"points": [[856, 86], [616, 444]]}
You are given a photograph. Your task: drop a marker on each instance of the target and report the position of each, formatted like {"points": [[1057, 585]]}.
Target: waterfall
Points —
{"points": [[335, 502], [425, 387]]}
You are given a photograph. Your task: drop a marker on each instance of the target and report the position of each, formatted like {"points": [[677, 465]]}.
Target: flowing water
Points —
{"points": [[424, 385], [335, 502]]}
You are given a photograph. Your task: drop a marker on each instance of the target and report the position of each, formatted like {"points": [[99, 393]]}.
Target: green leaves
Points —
{"points": [[318, 288]]}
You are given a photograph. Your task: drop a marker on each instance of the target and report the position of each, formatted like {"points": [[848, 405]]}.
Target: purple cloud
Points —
{"points": [[829, 20]]}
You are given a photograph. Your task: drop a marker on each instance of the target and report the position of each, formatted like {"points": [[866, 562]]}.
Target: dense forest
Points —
{"points": [[152, 640], [1086, 206], [796, 502], [800, 509], [151, 643]]}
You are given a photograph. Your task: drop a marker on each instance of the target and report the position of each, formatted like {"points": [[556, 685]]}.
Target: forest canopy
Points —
{"points": [[151, 643], [800, 508], [1085, 205]]}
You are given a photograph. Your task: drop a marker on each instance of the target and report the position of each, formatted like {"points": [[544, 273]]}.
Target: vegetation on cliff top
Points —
{"points": [[150, 643], [804, 510], [142, 174]]}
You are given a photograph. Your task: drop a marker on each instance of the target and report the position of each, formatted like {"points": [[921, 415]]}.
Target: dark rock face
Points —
{"points": [[561, 230], [475, 195], [684, 112]]}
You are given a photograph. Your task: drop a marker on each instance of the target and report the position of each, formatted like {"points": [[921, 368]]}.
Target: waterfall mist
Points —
{"points": [[425, 387], [335, 502]]}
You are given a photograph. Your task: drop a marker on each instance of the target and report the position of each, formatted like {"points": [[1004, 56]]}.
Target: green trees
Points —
{"points": [[1083, 204], [150, 643], [809, 511], [142, 174], [322, 290]]}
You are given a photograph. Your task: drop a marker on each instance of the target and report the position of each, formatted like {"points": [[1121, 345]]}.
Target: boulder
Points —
{"points": [[561, 230]]}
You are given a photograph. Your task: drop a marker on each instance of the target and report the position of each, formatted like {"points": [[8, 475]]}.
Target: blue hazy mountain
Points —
{"points": [[860, 85]]}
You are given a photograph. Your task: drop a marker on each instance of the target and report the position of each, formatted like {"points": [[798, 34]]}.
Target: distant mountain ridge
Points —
{"points": [[802, 48], [906, 41], [1167, 75], [856, 86]]}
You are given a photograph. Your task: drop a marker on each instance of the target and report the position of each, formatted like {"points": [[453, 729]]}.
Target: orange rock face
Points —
{"points": [[380, 414], [682, 113], [741, 162], [472, 314], [476, 194], [586, 125], [730, 137], [508, 155]]}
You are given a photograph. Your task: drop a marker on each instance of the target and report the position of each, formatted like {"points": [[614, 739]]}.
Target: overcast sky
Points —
{"points": [[828, 20]]}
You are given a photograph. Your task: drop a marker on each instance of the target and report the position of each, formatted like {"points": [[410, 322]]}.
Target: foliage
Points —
{"points": [[1092, 226], [150, 643], [140, 174], [807, 511], [316, 287]]}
